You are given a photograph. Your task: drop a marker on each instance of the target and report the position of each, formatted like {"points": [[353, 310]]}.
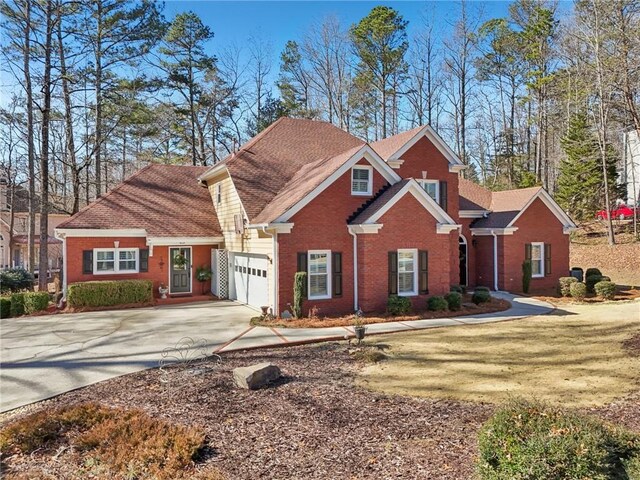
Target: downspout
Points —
{"points": [[355, 270], [274, 236], [63, 237], [495, 260]]}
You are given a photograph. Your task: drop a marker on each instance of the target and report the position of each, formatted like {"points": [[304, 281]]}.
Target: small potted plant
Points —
{"points": [[162, 290], [358, 326], [203, 274]]}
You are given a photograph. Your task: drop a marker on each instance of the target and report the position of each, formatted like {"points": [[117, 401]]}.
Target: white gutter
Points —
{"points": [[274, 236], [495, 260], [355, 270]]}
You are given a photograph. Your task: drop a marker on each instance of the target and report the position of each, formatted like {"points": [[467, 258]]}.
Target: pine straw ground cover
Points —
{"points": [[316, 321], [314, 424]]}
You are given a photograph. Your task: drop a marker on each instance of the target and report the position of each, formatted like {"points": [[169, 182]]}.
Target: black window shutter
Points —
{"points": [[547, 259], [443, 195], [87, 261], [393, 273], [527, 251], [144, 260], [423, 272], [336, 281]]}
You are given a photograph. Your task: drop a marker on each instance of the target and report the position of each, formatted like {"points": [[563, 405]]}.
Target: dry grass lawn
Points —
{"points": [[574, 356]]}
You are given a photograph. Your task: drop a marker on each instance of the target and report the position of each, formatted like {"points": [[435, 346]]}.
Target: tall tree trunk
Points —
{"points": [[31, 156], [98, 90]]}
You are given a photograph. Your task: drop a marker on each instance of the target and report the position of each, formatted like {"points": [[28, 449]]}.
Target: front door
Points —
{"points": [[180, 273], [463, 261]]}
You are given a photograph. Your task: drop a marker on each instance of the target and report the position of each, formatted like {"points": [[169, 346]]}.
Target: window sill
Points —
{"points": [[319, 298], [537, 276], [408, 294], [361, 194]]}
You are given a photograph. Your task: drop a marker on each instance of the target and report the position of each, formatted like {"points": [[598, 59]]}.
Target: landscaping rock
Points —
{"points": [[286, 315], [255, 376]]}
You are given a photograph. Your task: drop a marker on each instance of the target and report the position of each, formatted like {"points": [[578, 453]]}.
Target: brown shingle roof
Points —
{"points": [[473, 196], [378, 203], [390, 145], [505, 206], [165, 200], [268, 168]]}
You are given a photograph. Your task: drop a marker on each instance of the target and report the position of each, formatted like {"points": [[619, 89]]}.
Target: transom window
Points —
{"points": [[407, 272], [361, 180], [111, 260], [432, 187], [537, 259], [319, 274]]}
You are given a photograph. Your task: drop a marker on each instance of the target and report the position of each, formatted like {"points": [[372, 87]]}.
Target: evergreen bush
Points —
{"points": [[454, 301], [109, 293], [15, 279], [605, 289], [564, 285], [482, 289], [526, 440], [456, 288], [578, 291], [526, 275], [35, 302], [592, 271], [437, 304], [5, 307], [299, 292], [398, 305], [591, 281], [17, 304], [480, 296]]}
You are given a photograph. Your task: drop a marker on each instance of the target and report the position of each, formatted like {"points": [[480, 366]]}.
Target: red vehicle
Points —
{"points": [[621, 212]]}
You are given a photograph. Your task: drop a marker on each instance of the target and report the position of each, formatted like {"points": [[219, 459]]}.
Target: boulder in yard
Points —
{"points": [[255, 376]]}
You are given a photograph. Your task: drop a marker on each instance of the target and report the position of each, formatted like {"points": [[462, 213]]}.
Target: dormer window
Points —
{"points": [[361, 180], [432, 187]]}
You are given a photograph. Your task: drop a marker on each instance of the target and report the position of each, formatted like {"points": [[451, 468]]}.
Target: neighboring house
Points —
{"points": [[14, 242], [365, 221]]}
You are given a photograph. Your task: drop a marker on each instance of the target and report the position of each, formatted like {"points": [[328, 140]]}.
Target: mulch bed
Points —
{"points": [[468, 308], [315, 423]]}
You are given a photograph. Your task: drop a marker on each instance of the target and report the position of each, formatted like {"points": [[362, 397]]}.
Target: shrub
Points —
{"points": [[605, 289], [591, 281], [299, 292], [398, 305], [480, 296], [15, 279], [592, 271], [526, 275], [564, 285], [578, 291], [109, 293], [35, 302], [454, 301], [461, 289], [5, 307], [17, 304], [482, 289], [437, 304], [531, 440]]}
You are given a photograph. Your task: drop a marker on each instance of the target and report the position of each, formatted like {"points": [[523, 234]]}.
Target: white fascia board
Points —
{"points": [[440, 144], [168, 241], [395, 163], [457, 168], [447, 228], [364, 228], [213, 172], [479, 232], [365, 152], [551, 205], [423, 197], [275, 227], [61, 233], [473, 213]]}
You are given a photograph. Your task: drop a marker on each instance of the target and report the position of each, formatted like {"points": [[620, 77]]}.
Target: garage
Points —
{"points": [[249, 279]]}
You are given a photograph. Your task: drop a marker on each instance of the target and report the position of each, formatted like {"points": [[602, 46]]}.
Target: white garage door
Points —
{"points": [[249, 273]]}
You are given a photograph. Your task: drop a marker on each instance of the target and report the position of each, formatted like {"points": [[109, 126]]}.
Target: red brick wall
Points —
{"points": [[471, 252], [406, 225], [537, 224], [158, 263], [483, 264], [322, 225], [425, 156]]}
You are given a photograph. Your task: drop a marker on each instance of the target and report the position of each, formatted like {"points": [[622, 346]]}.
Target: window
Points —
{"points": [[319, 274], [219, 193], [111, 260], [537, 259], [432, 187], [407, 272], [361, 180]]}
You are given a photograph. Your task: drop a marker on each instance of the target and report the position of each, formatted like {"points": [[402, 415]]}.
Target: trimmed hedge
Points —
{"points": [[592, 271], [437, 304], [454, 301], [461, 289], [578, 290], [15, 279], [398, 305], [35, 302], [591, 281], [5, 307], [526, 275], [605, 289], [17, 304], [481, 296], [564, 285], [482, 289], [526, 440], [109, 293]]}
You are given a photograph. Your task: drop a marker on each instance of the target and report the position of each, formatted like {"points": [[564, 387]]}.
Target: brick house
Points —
{"points": [[365, 221]]}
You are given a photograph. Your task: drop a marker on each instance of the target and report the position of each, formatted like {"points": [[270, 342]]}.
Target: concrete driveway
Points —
{"points": [[47, 355]]}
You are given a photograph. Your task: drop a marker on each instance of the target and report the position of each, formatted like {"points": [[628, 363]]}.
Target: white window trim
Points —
{"points": [[542, 259], [329, 261], [369, 191], [218, 193], [436, 183], [116, 261], [414, 292]]}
